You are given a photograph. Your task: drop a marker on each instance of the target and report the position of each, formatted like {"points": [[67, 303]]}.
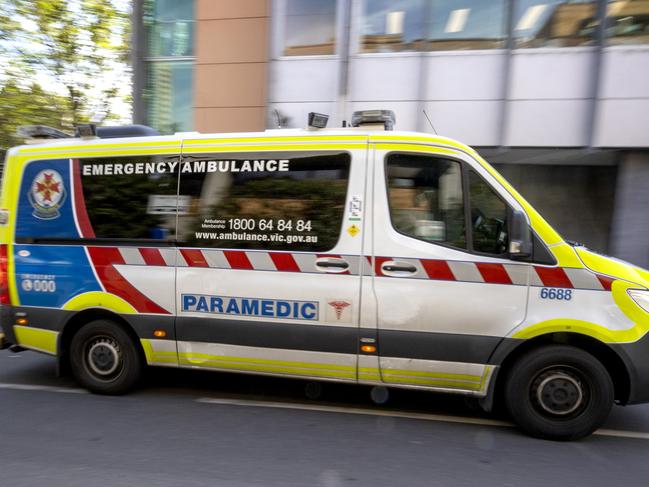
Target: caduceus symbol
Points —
{"points": [[339, 306]]}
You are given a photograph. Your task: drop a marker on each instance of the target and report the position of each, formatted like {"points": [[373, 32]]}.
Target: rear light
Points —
{"points": [[4, 277]]}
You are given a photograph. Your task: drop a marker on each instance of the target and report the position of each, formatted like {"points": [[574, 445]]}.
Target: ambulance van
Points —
{"points": [[354, 255]]}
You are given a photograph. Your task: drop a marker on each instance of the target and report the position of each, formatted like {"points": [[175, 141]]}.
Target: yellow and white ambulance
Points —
{"points": [[354, 255]]}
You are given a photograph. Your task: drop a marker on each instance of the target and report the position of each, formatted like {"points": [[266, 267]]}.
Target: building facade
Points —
{"points": [[554, 93]]}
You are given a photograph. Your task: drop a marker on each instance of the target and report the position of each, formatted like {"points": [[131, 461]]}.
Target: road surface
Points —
{"points": [[186, 428]]}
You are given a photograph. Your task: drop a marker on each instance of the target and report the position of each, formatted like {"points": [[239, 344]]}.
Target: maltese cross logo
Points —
{"points": [[47, 194], [48, 188], [339, 307]]}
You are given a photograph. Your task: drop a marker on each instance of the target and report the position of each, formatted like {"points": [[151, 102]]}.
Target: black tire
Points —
{"points": [[558, 392], [104, 358]]}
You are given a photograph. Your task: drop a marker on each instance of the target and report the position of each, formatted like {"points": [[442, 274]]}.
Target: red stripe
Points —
{"points": [[152, 256], [378, 261], [606, 282], [553, 276], [494, 273], [194, 258], [238, 259], [438, 269], [80, 204], [104, 259], [284, 262]]}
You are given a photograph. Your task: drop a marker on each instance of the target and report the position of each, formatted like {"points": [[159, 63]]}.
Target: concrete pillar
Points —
{"points": [[630, 229], [230, 72]]}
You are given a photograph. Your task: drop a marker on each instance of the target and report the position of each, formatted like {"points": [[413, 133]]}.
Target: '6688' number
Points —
{"points": [[551, 293]]}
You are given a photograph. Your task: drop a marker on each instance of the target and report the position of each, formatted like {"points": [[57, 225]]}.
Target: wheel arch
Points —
{"points": [[81, 318], [506, 356]]}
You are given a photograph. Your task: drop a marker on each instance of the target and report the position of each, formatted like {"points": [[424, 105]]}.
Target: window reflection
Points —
{"points": [[310, 27], [627, 22], [554, 23], [467, 24], [434, 25], [129, 206], [391, 26], [170, 27], [297, 209], [168, 95], [425, 197]]}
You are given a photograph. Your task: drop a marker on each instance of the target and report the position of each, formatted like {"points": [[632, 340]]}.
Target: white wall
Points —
{"points": [[463, 94], [622, 117], [300, 85], [548, 101], [549, 96]]}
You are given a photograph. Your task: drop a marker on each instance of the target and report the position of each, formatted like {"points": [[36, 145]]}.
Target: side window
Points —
{"points": [[291, 201], [118, 198], [427, 202], [425, 198], [127, 197], [488, 217]]}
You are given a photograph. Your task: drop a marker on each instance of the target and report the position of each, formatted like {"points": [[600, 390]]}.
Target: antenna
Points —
{"points": [[431, 123], [279, 119]]}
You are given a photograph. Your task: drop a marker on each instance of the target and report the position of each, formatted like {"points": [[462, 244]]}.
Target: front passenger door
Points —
{"points": [[446, 292]]}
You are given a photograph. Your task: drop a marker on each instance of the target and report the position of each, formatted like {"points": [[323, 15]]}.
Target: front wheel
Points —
{"points": [[104, 358], [559, 392]]}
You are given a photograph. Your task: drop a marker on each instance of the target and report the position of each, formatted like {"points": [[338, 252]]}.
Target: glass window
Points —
{"points": [[129, 197], [467, 24], [392, 25], [310, 27], [627, 22], [170, 27], [292, 201], [425, 197], [488, 217], [168, 96], [554, 23]]}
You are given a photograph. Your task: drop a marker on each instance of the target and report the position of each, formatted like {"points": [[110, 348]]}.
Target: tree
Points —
{"points": [[30, 105], [80, 47]]}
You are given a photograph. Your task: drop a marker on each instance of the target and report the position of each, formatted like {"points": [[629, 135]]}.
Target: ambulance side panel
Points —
{"points": [[91, 230], [269, 260]]}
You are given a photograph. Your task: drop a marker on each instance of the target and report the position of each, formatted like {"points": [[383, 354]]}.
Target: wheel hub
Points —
{"points": [[559, 392], [103, 356]]}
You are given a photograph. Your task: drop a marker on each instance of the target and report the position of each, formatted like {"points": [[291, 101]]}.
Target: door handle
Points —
{"points": [[332, 264], [397, 269]]}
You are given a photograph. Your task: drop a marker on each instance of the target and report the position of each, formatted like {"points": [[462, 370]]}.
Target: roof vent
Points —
{"points": [[384, 118]]}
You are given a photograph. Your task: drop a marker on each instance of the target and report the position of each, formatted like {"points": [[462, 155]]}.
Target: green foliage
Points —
{"points": [[117, 205], [316, 201], [76, 44], [29, 105]]}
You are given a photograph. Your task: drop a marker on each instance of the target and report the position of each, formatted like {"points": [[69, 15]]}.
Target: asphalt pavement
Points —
{"points": [[188, 428]]}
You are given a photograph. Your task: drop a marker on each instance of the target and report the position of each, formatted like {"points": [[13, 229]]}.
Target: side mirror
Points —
{"points": [[520, 236]]}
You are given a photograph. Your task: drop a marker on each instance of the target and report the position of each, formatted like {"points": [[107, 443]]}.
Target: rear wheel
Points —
{"points": [[104, 358], [559, 392]]}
